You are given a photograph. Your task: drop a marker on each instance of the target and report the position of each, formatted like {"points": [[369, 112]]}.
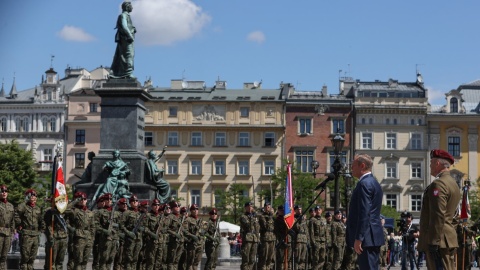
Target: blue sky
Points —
{"points": [[304, 42]]}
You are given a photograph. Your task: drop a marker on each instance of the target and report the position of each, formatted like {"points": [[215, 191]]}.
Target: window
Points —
{"points": [[364, 121], [370, 121], [3, 124], [416, 202], [195, 167], [395, 122], [148, 139], [419, 122], [244, 112], [25, 124], [173, 138], [454, 105], [172, 167], [305, 126], [219, 167], [220, 139], [80, 136], [172, 111], [44, 124], [391, 200], [79, 160], [391, 170], [342, 155], [391, 141], [412, 122], [93, 107], [416, 168], [196, 139], [195, 197], [268, 167], [269, 139], [218, 199], [18, 124], [53, 124], [243, 167], [47, 154], [304, 159], [454, 146], [338, 126], [244, 139], [367, 140], [416, 141]]}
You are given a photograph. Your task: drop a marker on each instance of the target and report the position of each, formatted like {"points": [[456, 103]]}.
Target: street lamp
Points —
{"points": [[314, 165], [348, 190], [337, 143]]}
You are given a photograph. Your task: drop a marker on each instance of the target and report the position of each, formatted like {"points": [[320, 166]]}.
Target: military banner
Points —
{"points": [[289, 217]]}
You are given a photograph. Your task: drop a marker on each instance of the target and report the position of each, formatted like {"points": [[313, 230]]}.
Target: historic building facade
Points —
{"points": [[215, 137], [312, 120], [391, 126]]}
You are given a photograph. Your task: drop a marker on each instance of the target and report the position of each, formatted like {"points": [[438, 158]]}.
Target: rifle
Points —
{"points": [[110, 220], [181, 226], [139, 222]]}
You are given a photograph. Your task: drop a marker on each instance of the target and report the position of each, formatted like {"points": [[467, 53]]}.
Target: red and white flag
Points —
{"points": [[60, 196], [465, 206]]}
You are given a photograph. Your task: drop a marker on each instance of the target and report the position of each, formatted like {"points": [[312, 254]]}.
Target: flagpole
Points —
{"points": [[52, 206]]}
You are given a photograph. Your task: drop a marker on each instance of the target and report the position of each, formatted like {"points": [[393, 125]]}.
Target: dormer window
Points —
{"points": [[454, 105]]}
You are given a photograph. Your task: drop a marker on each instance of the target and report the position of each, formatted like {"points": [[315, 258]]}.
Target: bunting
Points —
{"points": [[289, 217]]}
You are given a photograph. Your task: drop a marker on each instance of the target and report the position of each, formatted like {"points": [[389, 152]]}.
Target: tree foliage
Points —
{"points": [[232, 202], [16, 170]]}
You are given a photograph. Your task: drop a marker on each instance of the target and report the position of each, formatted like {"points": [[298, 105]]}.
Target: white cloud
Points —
{"points": [[72, 33], [436, 97], [256, 36], [164, 22]]}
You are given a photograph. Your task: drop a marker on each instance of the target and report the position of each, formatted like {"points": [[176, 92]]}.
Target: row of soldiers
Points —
{"points": [[118, 236], [316, 242]]}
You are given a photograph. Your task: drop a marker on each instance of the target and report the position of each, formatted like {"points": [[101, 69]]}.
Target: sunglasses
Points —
{"points": [[33, 194], [4, 191], [82, 198], [134, 200]]}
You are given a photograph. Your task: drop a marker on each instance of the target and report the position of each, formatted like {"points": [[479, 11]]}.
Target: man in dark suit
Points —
{"points": [[438, 238], [364, 228]]}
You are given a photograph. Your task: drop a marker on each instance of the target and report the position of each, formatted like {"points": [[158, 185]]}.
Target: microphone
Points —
{"points": [[323, 184]]}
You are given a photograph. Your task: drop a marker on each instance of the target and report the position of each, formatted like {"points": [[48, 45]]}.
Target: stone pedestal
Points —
{"points": [[224, 253], [122, 127]]}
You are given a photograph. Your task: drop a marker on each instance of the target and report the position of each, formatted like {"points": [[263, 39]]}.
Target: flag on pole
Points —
{"points": [[288, 206], [60, 192], [465, 208]]}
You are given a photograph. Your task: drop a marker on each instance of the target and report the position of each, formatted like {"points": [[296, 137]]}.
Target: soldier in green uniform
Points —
{"points": [[176, 238], [338, 239], [311, 219], [100, 204], [328, 242], [300, 229], [56, 235], [194, 238], [7, 226], [167, 213], [266, 249], [106, 221], [81, 224], [212, 242], [182, 263], [29, 223], [122, 215], [133, 228], [250, 233], [153, 237], [283, 241], [317, 230], [143, 209], [350, 256], [465, 235], [384, 248]]}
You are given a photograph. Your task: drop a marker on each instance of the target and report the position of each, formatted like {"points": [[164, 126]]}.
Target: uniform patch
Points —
{"points": [[436, 191]]}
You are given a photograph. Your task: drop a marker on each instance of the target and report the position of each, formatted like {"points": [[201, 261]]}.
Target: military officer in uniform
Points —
{"points": [[95, 263], [284, 241], [300, 229], [29, 222], [438, 237], [7, 226], [81, 224], [266, 249], [56, 239], [176, 238], [194, 238], [338, 239], [212, 242], [317, 230], [250, 233], [328, 242]]}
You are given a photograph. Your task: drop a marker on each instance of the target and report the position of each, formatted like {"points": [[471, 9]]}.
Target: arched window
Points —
{"points": [[454, 105], [412, 122], [387, 121], [53, 124], [18, 124], [363, 121], [370, 121], [44, 124], [395, 121], [419, 121]]}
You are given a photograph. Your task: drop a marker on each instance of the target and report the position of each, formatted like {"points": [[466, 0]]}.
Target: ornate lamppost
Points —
{"points": [[348, 190], [337, 143], [314, 165]]}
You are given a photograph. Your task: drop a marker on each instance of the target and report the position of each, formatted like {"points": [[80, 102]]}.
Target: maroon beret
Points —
{"points": [[439, 153], [193, 207], [213, 211], [144, 203], [122, 201]]}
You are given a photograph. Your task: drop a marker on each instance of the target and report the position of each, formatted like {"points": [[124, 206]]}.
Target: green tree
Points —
{"points": [[16, 170], [232, 202]]}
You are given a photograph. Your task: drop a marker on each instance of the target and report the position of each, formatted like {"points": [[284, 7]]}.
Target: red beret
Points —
{"points": [[122, 201], [31, 192], [193, 207], [155, 201], [213, 211], [133, 198], [80, 194], [144, 203], [173, 204], [439, 153], [183, 209]]}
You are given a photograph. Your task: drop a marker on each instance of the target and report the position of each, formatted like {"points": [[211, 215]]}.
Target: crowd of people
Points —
{"points": [[127, 235]]}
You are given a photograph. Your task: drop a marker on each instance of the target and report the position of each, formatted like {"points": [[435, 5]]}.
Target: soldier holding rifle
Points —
{"points": [[213, 240]]}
